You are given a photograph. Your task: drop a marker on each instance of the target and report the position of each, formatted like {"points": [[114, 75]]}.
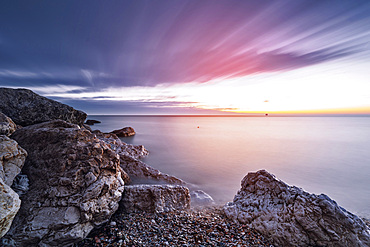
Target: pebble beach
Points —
{"points": [[200, 226]]}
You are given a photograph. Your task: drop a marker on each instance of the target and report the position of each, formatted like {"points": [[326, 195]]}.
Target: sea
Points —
{"points": [[329, 155]]}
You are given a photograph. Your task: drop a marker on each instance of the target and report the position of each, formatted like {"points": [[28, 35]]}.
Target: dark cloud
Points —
{"points": [[99, 44]]}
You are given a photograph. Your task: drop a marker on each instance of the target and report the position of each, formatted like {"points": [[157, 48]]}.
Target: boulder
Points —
{"points": [[134, 151], [290, 216], [9, 206], [7, 126], [75, 184], [12, 158], [91, 122], [25, 107], [124, 132], [200, 198], [155, 198]]}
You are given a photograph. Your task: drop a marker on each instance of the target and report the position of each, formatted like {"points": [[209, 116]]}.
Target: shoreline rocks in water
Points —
{"points": [[124, 132], [91, 121], [76, 179], [290, 216]]}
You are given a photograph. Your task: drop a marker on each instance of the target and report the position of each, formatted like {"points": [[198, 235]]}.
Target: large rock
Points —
{"points": [[7, 126], [134, 151], [12, 158], [290, 216], [9, 206], [25, 107], [155, 198], [124, 132], [75, 184]]}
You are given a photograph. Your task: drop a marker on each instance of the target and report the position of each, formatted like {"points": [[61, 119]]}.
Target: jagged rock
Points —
{"points": [[91, 122], [25, 107], [75, 184], [7, 126], [290, 216], [141, 173], [12, 158], [124, 132], [134, 151], [155, 198], [9, 206], [200, 198]]}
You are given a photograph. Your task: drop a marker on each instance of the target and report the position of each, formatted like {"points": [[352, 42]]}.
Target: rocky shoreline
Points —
{"points": [[62, 184]]}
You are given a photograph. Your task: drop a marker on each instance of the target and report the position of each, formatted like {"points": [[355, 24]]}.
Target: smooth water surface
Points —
{"points": [[329, 155]]}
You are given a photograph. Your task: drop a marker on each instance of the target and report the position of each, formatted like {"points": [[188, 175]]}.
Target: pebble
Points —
{"points": [[205, 226]]}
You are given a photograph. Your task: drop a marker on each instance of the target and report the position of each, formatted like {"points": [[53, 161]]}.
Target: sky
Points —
{"points": [[190, 57]]}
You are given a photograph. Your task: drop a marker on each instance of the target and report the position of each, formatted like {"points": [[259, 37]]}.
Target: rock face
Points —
{"points": [[12, 158], [91, 122], [290, 216], [200, 198], [155, 198], [7, 126], [25, 107], [134, 151], [9, 206], [124, 132], [75, 184]]}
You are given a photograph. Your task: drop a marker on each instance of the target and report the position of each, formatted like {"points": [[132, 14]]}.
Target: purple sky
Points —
{"points": [[157, 54]]}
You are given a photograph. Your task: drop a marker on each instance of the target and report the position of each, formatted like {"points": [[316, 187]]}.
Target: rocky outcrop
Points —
{"points": [[200, 198], [9, 206], [290, 216], [124, 132], [91, 122], [75, 184], [134, 151], [155, 198], [7, 126], [12, 158], [25, 107]]}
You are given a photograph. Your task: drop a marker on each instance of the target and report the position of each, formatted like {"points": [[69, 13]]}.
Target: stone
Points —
{"points": [[290, 216], [141, 173], [7, 126], [9, 206], [75, 184], [155, 198], [25, 108], [12, 158], [91, 122], [134, 151], [200, 198], [124, 132]]}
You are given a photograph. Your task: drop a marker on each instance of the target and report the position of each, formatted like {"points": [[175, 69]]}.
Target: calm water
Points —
{"points": [[328, 155]]}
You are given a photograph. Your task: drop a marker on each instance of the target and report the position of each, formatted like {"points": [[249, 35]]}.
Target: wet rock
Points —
{"points": [[7, 126], [200, 198], [9, 206], [121, 148], [91, 122], [12, 158], [124, 132], [75, 184], [290, 216], [141, 173], [155, 198], [25, 107]]}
